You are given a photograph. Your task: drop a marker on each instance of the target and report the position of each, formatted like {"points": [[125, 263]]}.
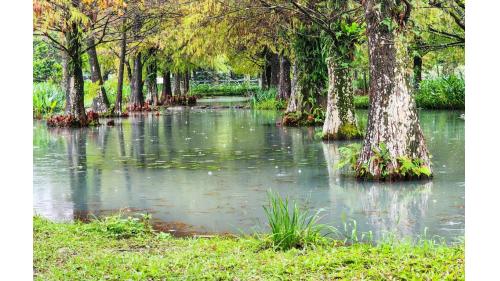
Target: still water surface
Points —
{"points": [[210, 169]]}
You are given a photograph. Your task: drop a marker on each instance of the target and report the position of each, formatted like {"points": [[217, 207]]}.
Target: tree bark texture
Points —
{"points": [[417, 71], [284, 85], [100, 103], [392, 117], [65, 81], [295, 101], [166, 90], [340, 121], [152, 86], [275, 70], [121, 68], [177, 84], [136, 95], [185, 83], [74, 44]]}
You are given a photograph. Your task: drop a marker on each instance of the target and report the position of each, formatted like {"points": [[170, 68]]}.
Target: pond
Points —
{"points": [[209, 170]]}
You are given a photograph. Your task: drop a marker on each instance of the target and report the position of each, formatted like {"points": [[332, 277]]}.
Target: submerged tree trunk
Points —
{"points": [[295, 101], [393, 124], [177, 84], [121, 68], [284, 85], [166, 90], [100, 103], [340, 121], [65, 81], [417, 71], [136, 95], [151, 84]]}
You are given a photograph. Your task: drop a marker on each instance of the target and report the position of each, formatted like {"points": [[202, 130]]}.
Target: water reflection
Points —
{"points": [[212, 168]]}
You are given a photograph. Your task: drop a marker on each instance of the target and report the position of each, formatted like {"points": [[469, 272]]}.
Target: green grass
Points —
{"points": [[290, 226], [223, 89], [441, 93], [77, 251]]}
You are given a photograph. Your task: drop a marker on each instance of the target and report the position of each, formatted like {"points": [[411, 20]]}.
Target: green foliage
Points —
{"points": [[446, 92], [412, 167], [68, 251], [349, 155], [266, 100], [407, 168], [361, 102], [48, 98], [118, 227], [349, 132], [291, 227], [442, 93], [224, 89], [46, 62]]}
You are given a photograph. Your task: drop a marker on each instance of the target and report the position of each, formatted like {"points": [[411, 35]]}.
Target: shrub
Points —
{"points": [[291, 227], [48, 98], [442, 93], [266, 100]]}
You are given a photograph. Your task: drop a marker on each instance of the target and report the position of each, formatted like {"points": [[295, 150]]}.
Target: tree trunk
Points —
{"points": [[417, 71], [74, 44], [177, 84], [151, 84], [340, 121], [185, 83], [136, 96], [295, 101], [284, 85], [100, 103], [121, 68], [275, 70], [65, 81], [264, 85], [392, 119], [166, 90]]}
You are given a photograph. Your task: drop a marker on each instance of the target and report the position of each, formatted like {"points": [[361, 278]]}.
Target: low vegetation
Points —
{"points": [[127, 248], [407, 168], [447, 92], [224, 89], [266, 100]]}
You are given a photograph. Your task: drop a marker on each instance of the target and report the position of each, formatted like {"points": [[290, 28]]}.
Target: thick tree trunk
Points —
{"points": [[295, 101], [185, 83], [284, 85], [275, 70], [417, 71], [121, 68], [65, 81], [166, 90], [177, 84], [340, 120], [392, 120], [136, 95], [151, 84], [100, 103], [74, 44]]}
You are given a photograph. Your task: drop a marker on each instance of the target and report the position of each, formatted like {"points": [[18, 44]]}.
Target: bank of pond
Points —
{"points": [[94, 251]]}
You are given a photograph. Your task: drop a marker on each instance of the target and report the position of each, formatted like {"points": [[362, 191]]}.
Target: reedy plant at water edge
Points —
{"points": [[292, 227]]}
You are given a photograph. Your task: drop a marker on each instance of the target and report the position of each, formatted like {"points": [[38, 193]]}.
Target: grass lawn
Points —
{"points": [[77, 251]]}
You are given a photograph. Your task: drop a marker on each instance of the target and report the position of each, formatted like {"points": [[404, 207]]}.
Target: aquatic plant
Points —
{"points": [[406, 168], [292, 227]]}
